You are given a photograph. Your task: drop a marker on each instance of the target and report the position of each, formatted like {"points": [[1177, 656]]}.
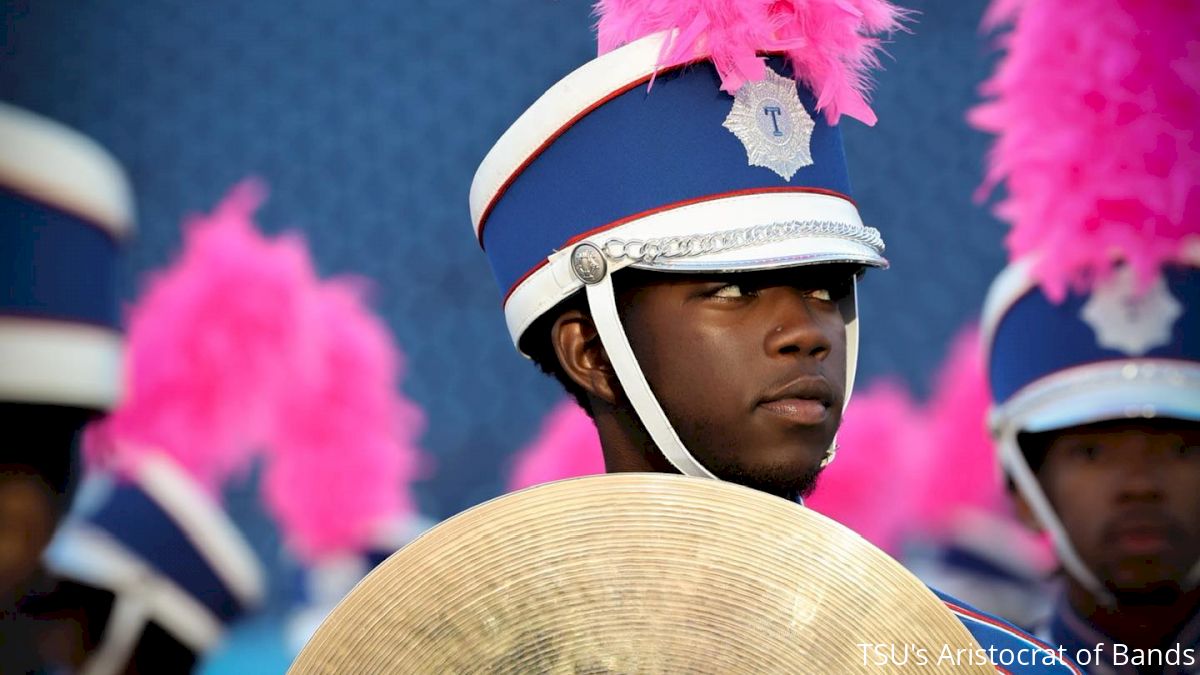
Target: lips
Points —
{"points": [[1141, 534], [1146, 541], [804, 401]]}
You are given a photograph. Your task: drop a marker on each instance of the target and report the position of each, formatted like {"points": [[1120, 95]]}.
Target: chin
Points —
{"points": [[1145, 584], [1154, 594], [789, 479]]}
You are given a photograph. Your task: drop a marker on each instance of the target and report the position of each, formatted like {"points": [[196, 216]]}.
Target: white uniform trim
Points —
{"points": [[61, 167], [993, 625], [59, 363], [553, 282]]}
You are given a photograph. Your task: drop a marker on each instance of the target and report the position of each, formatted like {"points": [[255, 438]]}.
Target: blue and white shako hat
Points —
{"points": [[165, 550], [65, 209], [1116, 351], [641, 158], [1098, 316]]}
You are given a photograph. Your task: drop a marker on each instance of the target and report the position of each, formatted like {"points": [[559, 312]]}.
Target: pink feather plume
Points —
{"points": [[962, 471], [832, 45], [567, 446], [345, 450], [869, 486], [211, 345], [1096, 108]]}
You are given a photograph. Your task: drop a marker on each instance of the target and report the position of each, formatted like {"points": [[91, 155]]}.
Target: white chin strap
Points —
{"points": [[603, 304], [1017, 468], [127, 621]]}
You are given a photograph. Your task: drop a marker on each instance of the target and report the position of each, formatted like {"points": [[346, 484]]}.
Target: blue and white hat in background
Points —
{"points": [[65, 209], [165, 550], [1117, 351], [1097, 115], [642, 158]]}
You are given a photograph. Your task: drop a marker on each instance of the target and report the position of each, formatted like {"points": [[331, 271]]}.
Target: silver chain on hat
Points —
{"points": [[649, 250]]}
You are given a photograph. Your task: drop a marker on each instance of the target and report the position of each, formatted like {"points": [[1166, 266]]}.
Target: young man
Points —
{"points": [[1092, 336], [727, 350], [1101, 440]]}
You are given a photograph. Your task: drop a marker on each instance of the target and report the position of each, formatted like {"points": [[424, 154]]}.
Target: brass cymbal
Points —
{"points": [[636, 573]]}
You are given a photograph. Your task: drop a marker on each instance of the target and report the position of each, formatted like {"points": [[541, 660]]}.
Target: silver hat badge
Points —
{"points": [[1128, 319], [769, 119]]}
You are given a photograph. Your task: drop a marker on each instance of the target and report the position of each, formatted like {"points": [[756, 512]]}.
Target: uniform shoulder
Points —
{"points": [[1012, 649]]}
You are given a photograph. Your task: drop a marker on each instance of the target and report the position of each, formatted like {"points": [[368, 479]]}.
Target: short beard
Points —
{"points": [[774, 481], [1158, 595]]}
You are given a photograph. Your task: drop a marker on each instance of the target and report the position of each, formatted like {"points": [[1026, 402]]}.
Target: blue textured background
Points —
{"points": [[368, 119]]}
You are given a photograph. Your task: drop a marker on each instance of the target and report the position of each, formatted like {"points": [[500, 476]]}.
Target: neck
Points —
{"points": [[627, 445], [1137, 626]]}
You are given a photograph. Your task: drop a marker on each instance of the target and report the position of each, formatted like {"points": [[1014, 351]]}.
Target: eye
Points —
{"points": [[1086, 452], [823, 294], [731, 291]]}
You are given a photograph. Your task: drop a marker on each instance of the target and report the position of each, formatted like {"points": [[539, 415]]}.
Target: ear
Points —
{"points": [[582, 356]]}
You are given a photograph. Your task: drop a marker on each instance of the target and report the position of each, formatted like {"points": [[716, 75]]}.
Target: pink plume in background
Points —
{"points": [[961, 498], [567, 446], [345, 450], [211, 344], [1096, 108], [831, 44], [963, 473], [871, 484], [239, 349]]}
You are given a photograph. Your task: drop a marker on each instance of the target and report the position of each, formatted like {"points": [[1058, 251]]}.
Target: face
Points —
{"points": [[28, 513], [1128, 494], [749, 367]]}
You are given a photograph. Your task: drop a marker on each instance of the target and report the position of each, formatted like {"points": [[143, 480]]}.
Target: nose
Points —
{"points": [[797, 326], [1140, 474]]}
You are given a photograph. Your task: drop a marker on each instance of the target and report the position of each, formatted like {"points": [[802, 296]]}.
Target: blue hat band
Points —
{"points": [[635, 152], [56, 265], [140, 524], [1036, 337]]}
